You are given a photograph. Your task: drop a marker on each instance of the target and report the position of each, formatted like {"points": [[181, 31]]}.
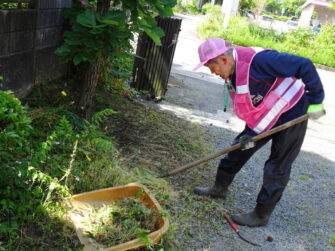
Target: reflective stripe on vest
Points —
{"points": [[282, 96], [280, 104], [242, 89]]}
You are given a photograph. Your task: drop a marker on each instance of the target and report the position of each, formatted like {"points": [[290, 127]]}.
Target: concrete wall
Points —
{"points": [[28, 39], [327, 15], [306, 15]]}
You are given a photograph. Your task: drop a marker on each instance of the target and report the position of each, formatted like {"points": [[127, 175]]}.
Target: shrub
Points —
{"points": [[23, 188], [14, 127], [301, 36], [188, 8], [302, 42]]}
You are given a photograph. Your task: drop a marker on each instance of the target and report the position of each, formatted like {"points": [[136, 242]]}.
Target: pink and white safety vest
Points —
{"points": [[282, 96]]}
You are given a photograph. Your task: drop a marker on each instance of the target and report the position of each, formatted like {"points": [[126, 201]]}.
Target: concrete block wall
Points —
{"points": [[28, 39]]}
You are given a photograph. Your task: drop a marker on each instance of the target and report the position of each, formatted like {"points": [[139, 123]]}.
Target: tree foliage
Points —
{"points": [[333, 4], [292, 7], [247, 4], [273, 6], [94, 34], [102, 29]]}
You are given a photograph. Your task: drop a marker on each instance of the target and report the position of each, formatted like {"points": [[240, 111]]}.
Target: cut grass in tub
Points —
{"points": [[121, 221]]}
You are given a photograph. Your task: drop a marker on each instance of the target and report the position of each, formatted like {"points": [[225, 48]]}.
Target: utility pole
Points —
{"points": [[229, 7]]}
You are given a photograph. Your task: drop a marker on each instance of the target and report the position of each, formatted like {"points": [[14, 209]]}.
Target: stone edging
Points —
{"points": [[323, 67]]}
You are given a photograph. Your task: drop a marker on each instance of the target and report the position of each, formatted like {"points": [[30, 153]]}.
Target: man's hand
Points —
{"points": [[316, 111], [247, 142]]}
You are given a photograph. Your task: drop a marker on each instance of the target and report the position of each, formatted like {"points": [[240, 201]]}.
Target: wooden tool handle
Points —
{"points": [[238, 145]]}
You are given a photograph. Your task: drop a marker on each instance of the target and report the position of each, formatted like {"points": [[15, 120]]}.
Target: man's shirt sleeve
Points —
{"points": [[270, 63]]}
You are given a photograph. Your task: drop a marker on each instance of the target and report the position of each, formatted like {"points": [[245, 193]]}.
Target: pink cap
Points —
{"points": [[209, 49]]}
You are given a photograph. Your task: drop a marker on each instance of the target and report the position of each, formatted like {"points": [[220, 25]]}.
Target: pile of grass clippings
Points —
{"points": [[121, 221]]}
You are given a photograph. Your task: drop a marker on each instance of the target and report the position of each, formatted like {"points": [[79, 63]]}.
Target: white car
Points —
{"points": [[266, 22], [292, 24]]}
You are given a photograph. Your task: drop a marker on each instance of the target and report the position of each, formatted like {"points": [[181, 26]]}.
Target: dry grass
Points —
{"points": [[151, 143]]}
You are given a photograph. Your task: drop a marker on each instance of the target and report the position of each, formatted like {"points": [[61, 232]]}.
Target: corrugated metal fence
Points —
{"points": [[152, 69]]}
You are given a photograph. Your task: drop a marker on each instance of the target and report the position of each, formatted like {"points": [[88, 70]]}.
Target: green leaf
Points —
{"points": [[109, 21], [91, 43], [120, 34], [77, 60], [158, 31], [169, 3], [12, 134], [1, 77], [114, 17], [4, 204], [165, 12], [153, 36], [148, 21], [141, 231], [62, 50], [87, 19]]}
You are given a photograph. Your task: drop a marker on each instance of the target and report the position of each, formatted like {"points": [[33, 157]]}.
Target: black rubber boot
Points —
{"points": [[258, 217], [220, 188]]}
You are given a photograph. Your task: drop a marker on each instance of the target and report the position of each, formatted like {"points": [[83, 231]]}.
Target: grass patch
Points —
{"points": [[302, 42], [125, 142]]}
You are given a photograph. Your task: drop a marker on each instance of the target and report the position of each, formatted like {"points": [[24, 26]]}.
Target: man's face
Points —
{"points": [[220, 66]]}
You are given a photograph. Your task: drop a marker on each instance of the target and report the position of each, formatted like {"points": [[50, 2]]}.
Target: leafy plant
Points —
{"points": [[95, 34], [327, 35], [99, 117], [24, 190], [14, 127], [301, 36], [145, 239]]}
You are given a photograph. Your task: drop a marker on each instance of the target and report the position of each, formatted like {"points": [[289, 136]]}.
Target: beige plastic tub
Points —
{"points": [[80, 203]]}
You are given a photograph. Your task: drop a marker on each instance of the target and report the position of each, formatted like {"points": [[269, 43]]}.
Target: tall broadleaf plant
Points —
{"points": [[101, 29]]}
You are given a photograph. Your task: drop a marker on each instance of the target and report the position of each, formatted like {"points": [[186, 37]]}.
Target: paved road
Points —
{"points": [[319, 135]]}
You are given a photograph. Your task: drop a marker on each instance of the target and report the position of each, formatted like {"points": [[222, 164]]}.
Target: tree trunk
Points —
{"points": [[90, 80], [91, 72], [103, 6]]}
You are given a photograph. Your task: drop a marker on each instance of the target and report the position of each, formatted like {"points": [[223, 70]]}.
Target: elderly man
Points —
{"points": [[267, 88]]}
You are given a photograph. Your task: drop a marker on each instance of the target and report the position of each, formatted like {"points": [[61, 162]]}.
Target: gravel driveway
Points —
{"points": [[304, 218]]}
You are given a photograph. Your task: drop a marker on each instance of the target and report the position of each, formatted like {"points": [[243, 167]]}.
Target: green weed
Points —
{"points": [[188, 8], [331, 240], [303, 42], [63, 154]]}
